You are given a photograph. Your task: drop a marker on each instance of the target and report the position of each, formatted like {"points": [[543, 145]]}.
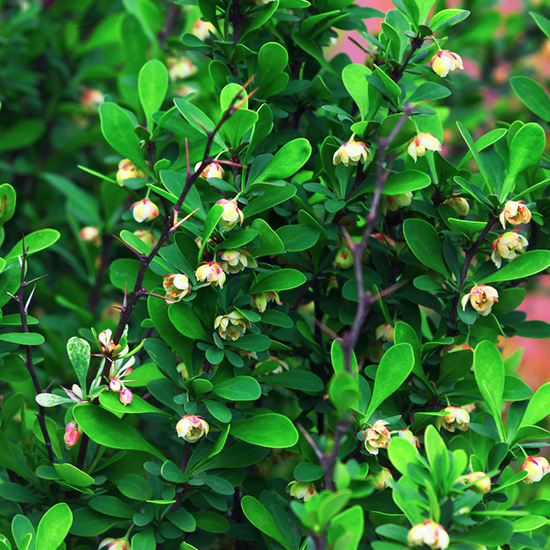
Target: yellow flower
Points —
{"points": [[382, 479], [231, 326], [377, 437], [211, 272], [481, 481], [385, 332], [261, 300], [231, 214], [201, 29], [301, 490], [409, 436], [509, 245], [537, 467], [394, 202], [90, 235], [514, 213], [212, 170], [234, 261], [192, 427], [176, 286], [145, 210], [482, 298], [459, 205], [351, 153], [181, 68], [429, 533], [421, 143], [128, 170], [91, 99], [444, 61], [455, 418]]}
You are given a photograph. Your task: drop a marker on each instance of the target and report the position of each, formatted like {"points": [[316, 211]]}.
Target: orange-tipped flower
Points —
{"points": [[430, 534], [481, 481], [421, 143], [352, 153], [482, 298], [176, 286], [459, 205], [445, 61], [377, 437], [231, 214], [537, 467], [515, 212], [211, 272], [456, 418], [509, 245], [192, 427], [145, 210], [128, 170], [212, 170]]}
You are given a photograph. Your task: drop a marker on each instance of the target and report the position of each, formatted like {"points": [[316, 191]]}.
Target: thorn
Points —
{"points": [[125, 301], [16, 298], [37, 279], [139, 254], [244, 100], [207, 132], [351, 244], [184, 220], [231, 163], [29, 299], [249, 81], [158, 296]]}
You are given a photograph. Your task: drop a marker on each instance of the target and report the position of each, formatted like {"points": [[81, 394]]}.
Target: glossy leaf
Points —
{"points": [[266, 430], [424, 243], [54, 527]]}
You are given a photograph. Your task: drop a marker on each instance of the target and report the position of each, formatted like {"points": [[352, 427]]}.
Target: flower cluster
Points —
{"points": [[234, 261], [515, 213]]}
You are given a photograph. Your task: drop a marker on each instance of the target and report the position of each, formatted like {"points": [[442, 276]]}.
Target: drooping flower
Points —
{"points": [[382, 479], [514, 212], [192, 427], [509, 245], [261, 300], [481, 481], [176, 286], [211, 272], [445, 61], [201, 29], [115, 544], [459, 205], [377, 437], [180, 68], [537, 467], [409, 436], [126, 396], [91, 99], [262, 366], [429, 533], [105, 341], [394, 202], [231, 214], [231, 326], [482, 298], [90, 235], [212, 170], [455, 418], [385, 332], [352, 153], [234, 261], [344, 258], [128, 170], [144, 210], [301, 490], [421, 143], [72, 434], [146, 236]]}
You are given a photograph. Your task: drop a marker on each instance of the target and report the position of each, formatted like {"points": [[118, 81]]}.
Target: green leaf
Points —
{"points": [[542, 22], [266, 430], [212, 219], [295, 380], [111, 401], [533, 261], [107, 429], [287, 160], [401, 453], [239, 388], [183, 520], [79, 351], [468, 227], [489, 375], [197, 118], [355, 82], [405, 182], [346, 529], [23, 338], [447, 18], [34, 242], [393, 89], [528, 523], [538, 407], [299, 237], [144, 540], [485, 141], [257, 514], [424, 243], [73, 475], [308, 472], [405, 334], [473, 149], [17, 493], [270, 197], [272, 62], [133, 486], [111, 506], [21, 526], [54, 527], [344, 392], [152, 88], [495, 532], [270, 242], [429, 91], [8, 201], [394, 368], [283, 279], [211, 522], [532, 94], [186, 321], [118, 130]]}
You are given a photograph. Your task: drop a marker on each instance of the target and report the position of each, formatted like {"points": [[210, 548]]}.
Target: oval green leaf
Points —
{"points": [[266, 430]]}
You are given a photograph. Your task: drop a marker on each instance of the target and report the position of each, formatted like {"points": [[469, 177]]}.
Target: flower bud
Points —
{"points": [[234, 261], [115, 544], [212, 170], [444, 61], [394, 202], [90, 235], [385, 332], [231, 214], [201, 29], [421, 143], [261, 300], [377, 437], [181, 68], [481, 481], [459, 205], [115, 384], [382, 479], [301, 490], [105, 341], [176, 286], [211, 272], [482, 298], [192, 427], [231, 326], [455, 418], [128, 170], [537, 467], [509, 245], [429, 533], [351, 153], [145, 210], [344, 258], [72, 434], [514, 213], [146, 236], [91, 99], [126, 396], [409, 436]]}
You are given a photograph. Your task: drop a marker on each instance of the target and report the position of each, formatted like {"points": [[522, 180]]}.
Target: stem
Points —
{"points": [[416, 44], [165, 31], [23, 312], [93, 299]]}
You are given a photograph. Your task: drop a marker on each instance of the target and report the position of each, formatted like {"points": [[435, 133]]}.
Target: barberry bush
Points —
{"points": [[278, 282]]}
